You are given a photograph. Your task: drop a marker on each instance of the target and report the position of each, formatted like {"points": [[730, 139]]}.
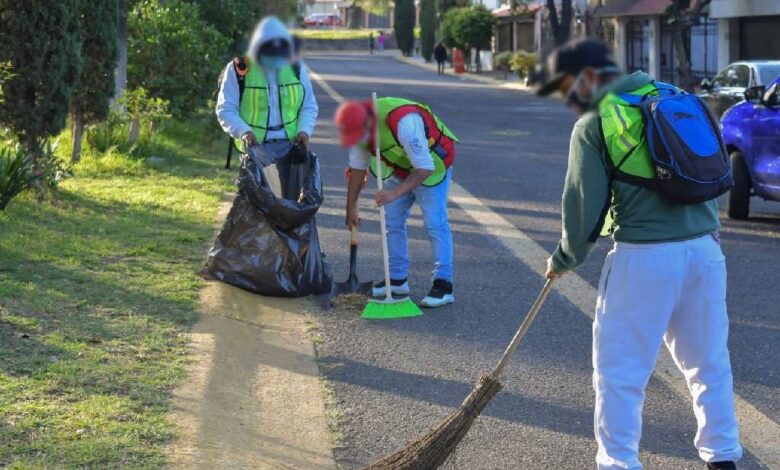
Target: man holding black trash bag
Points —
{"points": [[269, 242], [264, 98]]}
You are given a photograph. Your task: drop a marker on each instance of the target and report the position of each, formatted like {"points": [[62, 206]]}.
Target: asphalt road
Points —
{"points": [[393, 380]]}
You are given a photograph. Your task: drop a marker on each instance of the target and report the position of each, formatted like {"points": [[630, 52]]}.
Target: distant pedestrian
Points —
{"points": [[371, 42], [665, 279], [380, 41], [440, 54]]}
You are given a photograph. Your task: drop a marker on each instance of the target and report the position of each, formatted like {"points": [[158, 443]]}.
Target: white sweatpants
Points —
{"points": [[676, 293]]}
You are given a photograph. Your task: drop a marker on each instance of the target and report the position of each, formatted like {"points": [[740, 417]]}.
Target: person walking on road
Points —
{"points": [[264, 98], [440, 54], [665, 278], [371, 42], [417, 154], [380, 41]]}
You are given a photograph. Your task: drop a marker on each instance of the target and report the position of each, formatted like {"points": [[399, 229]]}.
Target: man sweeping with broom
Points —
{"points": [[417, 151], [665, 279]]}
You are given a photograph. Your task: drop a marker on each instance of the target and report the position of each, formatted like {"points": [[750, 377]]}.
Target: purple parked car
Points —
{"points": [[751, 131]]}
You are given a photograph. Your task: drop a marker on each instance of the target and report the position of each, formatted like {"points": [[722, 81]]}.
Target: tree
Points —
{"points": [[90, 102], [443, 6], [404, 25], [230, 18], [428, 25], [450, 26], [42, 39], [474, 29], [120, 76], [561, 27], [684, 14], [173, 53], [235, 19], [357, 7]]}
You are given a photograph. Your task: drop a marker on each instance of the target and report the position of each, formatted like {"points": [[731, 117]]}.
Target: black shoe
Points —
{"points": [[726, 465], [440, 294], [397, 287]]}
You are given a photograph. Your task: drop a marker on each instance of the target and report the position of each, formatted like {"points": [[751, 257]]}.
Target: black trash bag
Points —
{"points": [[269, 245]]}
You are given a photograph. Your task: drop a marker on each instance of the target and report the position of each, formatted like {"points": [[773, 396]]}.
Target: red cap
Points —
{"points": [[351, 118]]}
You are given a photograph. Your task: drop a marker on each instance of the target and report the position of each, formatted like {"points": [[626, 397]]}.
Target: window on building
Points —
{"points": [[703, 41], [637, 45]]}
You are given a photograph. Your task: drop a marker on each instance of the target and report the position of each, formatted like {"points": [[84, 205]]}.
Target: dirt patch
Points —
{"points": [[350, 304]]}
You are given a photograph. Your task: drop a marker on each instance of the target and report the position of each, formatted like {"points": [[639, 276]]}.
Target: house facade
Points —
{"points": [[727, 31]]}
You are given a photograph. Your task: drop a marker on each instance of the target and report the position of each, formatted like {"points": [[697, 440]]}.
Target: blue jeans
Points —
{"points": [[433, 202]]}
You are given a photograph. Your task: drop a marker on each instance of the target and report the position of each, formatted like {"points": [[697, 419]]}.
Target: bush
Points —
{"points": [[503, 62], [140, 107], [49, 169], [17, 172], [22, 168], [173, 53], [522, 63]]}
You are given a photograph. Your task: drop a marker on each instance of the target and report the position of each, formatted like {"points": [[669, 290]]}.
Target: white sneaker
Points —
{"points": [[440, 294], [397, 287]]}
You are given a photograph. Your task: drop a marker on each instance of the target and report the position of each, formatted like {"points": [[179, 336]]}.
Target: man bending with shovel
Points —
{"points": [[665, 279], [417, 153]]}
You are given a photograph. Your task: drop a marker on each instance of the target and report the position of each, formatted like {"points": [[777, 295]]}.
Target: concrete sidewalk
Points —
{"points": [[487, 79], [252, 398]]}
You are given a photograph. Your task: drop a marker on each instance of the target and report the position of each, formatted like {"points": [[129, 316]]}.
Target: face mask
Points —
{"points": [[273, 62], [573, 98]]}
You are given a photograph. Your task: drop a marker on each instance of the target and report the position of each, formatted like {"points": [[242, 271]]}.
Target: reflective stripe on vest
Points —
{"points": [[254, 106], [623, 131], [441, 141]]}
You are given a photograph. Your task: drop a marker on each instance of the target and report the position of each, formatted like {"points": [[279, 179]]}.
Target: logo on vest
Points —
{"points": [[416, 146]]}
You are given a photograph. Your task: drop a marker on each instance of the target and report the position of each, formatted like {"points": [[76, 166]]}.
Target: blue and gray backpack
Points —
{"points": [[665, 139]]}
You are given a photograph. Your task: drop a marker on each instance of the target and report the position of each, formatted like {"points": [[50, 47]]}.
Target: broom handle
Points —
{"points": [[382, 223], [529, 318]]}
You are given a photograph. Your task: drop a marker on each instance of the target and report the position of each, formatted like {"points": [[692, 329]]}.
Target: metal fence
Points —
{"points": [[703, 43]]}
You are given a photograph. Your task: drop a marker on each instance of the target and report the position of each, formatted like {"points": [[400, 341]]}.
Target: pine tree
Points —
{"points": [[41, 38], [428, 25], [404, 25], [92, 96]]}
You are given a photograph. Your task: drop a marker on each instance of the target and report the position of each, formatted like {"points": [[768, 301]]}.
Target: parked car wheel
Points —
{"points": [[739, 196]]}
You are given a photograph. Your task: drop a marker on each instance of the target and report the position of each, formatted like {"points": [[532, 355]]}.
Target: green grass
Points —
{"points": [[334, 34], [97, 293]]}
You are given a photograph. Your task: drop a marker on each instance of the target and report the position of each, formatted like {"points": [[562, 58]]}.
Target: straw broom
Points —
{"points": [[432, 449]]}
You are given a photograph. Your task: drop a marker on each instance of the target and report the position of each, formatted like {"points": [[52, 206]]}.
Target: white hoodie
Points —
{"points": [[228, 100]]}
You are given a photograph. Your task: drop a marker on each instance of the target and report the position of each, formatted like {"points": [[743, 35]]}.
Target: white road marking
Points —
{"points": [[758, 433]]}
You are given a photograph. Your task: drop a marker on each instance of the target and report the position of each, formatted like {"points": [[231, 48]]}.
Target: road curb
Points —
{"points": [[466, 76]]}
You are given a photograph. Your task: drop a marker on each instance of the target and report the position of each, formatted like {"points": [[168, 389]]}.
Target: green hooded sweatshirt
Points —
{"points": [[640, 215]]}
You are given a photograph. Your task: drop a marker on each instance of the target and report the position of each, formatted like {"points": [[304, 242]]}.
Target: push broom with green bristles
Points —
{"points": [[388, 307]]}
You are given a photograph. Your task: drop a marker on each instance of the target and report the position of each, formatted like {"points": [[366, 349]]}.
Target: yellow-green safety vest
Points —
{"points": [[254, 108], [440, 141]]}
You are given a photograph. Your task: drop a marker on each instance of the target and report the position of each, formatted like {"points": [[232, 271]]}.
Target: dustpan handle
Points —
{"points": [[529, 318]]}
